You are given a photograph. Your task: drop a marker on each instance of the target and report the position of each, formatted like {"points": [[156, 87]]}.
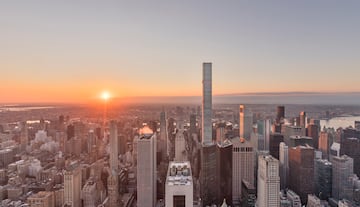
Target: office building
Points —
{"points": [[301, 171], [248, 194], [193, 127], [323, 178], [342, 169], [163, 135], [313, 132], [288, 131], [179, 185], [208, 178], [299, 141], [113, 189], [284, 165], [268, 182], [41, 199], [72, 187], [351, 147], [224, 171], [242, 167], [263, 130], [245, 122], [280, 114], [90, 195], [114, 161], [324, 144], [146, 168], [180, 151], [293, 198], [303, 119], [274, 144]]}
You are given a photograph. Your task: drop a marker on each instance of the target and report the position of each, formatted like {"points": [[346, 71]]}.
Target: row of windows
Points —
{"points": [[242, 149]]}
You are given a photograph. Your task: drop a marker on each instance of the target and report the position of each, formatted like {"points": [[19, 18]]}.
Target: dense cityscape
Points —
{"points": [[179, 155]]}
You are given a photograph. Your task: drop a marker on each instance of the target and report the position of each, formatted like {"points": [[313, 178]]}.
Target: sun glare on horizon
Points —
{"points": [[105, 95]]}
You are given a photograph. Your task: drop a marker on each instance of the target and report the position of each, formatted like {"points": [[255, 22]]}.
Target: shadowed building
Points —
{"points": [[274, 144], [224, 171], [301, 171]]}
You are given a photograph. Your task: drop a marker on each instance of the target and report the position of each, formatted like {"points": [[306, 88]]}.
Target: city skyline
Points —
{"points": [[71, 52]]}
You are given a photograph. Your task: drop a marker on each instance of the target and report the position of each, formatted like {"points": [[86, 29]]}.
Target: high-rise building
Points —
{"points": [[179, 185], [242, 167], [303, 119], [41, 199], [248, 194], [70, 131], [208, 178], [207, 104], [90, 194], [146, 168], [288, 131], [274, 144], [264, 130], [268, 182], [245, 122], [301, 171], [224, 171], [208, 181], [280, 114], [180, 151], [72, 187], [192, 128], [294, 141], [293, 198], [24, 137], [313, 132], [323, 178], [164, 134], [284, 165], [324, 144], [114, 166], [113, 188], [351, 148], [342, 169], [220, 132]]}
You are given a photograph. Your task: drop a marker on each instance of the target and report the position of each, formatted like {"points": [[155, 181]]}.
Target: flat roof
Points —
{"points": [[179, 173]]}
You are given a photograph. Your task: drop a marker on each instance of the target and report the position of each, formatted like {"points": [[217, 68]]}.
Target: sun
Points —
{"points": [[105, 95]]}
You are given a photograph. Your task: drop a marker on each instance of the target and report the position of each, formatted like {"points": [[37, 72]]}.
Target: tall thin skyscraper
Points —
{"points": [[113, 147], [268, 182], [164, 134], [245, 122], [146, 168], [284, 165], [208, 179], [207, 104]]}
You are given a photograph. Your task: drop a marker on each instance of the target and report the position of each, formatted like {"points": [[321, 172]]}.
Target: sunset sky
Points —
{"points": [[68, 51]]}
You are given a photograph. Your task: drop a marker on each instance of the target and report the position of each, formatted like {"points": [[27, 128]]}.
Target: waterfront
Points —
{"points": [[337, 122]]}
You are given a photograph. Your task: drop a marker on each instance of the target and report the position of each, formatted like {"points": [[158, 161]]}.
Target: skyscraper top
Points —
{"points": [[207, 104]]}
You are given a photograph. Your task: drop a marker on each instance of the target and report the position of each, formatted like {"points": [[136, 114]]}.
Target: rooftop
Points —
{"points": [[179, 173]]}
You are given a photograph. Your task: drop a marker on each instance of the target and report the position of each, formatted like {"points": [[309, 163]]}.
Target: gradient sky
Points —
{"points": [[71, 51]]}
